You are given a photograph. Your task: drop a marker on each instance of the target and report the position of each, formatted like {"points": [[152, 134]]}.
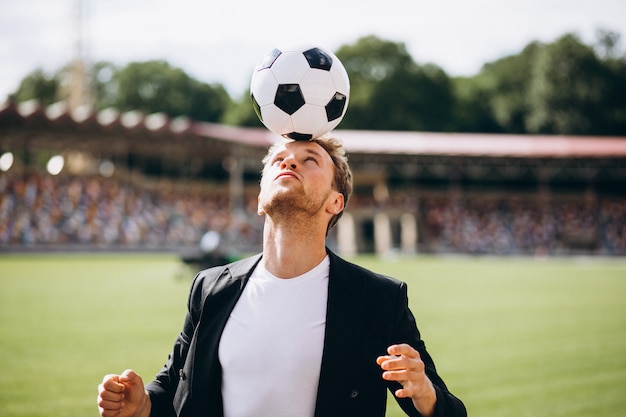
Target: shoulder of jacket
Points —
{"points": [[218, 276], [236, 268], [370, 277]]}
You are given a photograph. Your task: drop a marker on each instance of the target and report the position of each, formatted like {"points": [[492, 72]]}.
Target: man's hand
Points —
{"points": [[404, 365], [123, 396]]}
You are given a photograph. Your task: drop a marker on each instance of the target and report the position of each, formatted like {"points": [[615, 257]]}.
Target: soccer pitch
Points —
{"points": [[511, 337]]}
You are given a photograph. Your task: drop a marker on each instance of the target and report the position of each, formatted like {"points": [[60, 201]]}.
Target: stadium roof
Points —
{"points": [[30, 115], [475, 144]]}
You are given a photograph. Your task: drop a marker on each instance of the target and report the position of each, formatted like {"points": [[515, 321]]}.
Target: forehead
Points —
{"points": [[305, 147]]}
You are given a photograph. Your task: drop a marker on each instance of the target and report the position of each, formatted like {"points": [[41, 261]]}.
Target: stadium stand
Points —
{"points": [[146, 182]]}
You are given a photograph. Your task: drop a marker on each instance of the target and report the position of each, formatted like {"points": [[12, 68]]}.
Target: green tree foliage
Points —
{"points": [[567, 90], [156, 86], [494, 100], [563, 87], [389, 91], [614, 105], [38, 85], [241, 113], [103, 84]]}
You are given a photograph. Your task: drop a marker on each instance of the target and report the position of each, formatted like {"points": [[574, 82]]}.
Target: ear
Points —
{"points": [[335, 203], [259, 210]]}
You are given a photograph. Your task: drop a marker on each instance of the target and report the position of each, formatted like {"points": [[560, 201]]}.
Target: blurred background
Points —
{"points": [[491, 128]]}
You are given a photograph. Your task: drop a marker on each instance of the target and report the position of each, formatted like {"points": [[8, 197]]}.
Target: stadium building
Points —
{"points": [[125, 180]]}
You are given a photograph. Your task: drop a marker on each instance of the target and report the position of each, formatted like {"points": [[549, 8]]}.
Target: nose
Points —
{"points": [[288, 162]]}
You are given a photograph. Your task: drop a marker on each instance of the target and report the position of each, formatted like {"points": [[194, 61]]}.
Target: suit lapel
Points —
{"points": [[345, 299]]}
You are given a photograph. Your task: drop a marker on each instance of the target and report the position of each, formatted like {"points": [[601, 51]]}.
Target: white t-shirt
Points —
{"points": [[271, 348]]}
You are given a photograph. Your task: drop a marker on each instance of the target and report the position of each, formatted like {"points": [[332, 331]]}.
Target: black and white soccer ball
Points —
{"points": [[300, 92]]}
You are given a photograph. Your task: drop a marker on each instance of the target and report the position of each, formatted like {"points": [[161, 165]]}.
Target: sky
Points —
{"points": [[221, 41]]}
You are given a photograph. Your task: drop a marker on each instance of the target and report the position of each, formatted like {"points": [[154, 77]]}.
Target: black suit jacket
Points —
{"points": [[366, 313]]}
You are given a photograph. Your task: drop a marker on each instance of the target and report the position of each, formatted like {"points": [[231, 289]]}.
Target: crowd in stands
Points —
{"points": [[512, 225], [104, 212], [38, 210]]}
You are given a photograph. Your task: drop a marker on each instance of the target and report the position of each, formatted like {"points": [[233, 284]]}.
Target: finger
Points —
{"points": [[135, 391], [109, 413], [402, 393], [132, 381], [403, 349], [110, 395], [110, 405], [129, 376], [111, 383], [415, 365], [401, 375], [393, 362], [390, 363], [382, 359]]}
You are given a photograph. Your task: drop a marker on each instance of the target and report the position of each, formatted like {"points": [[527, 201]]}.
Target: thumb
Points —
{"points": [[129, 377], [133, 384]]}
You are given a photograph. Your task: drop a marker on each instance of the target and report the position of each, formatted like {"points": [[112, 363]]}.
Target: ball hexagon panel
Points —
{"points": [[340, 79], [279, 120], [310, 119], [317, 86], [264, 87], [290, 67]]}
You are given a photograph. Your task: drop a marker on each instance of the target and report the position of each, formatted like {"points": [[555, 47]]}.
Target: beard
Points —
{"points": [[290, 204]]}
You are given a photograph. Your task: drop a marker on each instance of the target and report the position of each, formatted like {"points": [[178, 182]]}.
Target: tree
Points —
{"points": [[104, 87], [38, 85], [390, 91], [566, 94], [472, 111], [155, 86], [614, 104], [241, 112], [563, 87], [494, 100]]}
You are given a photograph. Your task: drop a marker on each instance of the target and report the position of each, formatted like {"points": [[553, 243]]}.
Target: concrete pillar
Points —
{"points": [[408, 233], [382, 234], [346, 235]]}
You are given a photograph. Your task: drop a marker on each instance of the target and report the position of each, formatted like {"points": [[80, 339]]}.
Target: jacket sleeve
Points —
{"points": [[163, 389], [405, 331]]}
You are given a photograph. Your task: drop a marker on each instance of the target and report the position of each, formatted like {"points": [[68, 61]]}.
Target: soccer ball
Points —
{"points": [[300, 92]]}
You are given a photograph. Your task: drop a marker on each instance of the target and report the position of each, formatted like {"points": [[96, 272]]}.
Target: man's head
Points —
{"points": [[341, 175]]}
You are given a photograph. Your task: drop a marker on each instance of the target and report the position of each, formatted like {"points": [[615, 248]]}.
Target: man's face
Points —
{"points": [[298, 176]]}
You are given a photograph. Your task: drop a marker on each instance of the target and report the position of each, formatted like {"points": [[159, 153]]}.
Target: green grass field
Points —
{"points": [[511, 337]]}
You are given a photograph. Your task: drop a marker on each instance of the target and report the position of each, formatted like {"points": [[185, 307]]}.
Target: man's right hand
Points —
{"points": [[123, 396]]}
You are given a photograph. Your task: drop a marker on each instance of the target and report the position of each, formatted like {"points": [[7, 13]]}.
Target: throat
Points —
{"points": [[290, 253]]}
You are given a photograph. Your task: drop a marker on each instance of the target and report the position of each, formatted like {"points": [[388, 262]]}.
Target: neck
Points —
{"points": [[292, 248]]}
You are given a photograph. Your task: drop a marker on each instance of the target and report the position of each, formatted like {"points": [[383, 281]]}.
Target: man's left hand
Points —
{"points": [[404, 365]]}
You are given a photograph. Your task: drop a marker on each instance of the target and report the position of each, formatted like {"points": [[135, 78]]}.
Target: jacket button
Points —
{"points": [[354, 393], [181, 374]]}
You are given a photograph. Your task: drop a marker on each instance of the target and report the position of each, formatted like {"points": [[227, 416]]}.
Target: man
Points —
{"points": [[294, 331]]}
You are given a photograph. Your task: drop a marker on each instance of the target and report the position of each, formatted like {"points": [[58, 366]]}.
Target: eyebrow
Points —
{"points": [[308, 151], [313, 152]]}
